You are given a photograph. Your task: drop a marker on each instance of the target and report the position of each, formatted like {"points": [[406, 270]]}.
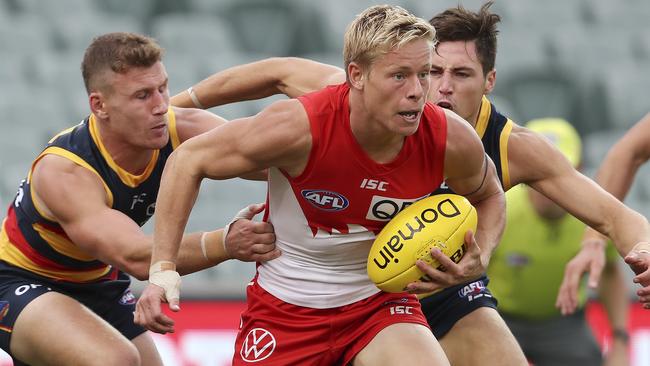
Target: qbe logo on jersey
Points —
{"points": [[385, 208], [258, 345]]}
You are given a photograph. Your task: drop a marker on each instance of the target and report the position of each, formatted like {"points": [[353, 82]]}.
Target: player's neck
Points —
{"points": [[473, 119], [128, 157], [380, 144]]}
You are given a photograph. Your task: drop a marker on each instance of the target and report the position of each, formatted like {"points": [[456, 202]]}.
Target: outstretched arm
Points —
{"points": [[543, 167], [291, 76], [278, 136], [615, 175], [535, 161]]}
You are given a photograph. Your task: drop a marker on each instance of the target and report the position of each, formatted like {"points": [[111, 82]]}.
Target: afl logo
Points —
{"points": [[258, 345], [127, 298], [325, 200]]}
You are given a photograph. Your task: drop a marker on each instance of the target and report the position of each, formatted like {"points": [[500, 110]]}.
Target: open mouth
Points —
{"points": [[410, 116], [445, 105]]}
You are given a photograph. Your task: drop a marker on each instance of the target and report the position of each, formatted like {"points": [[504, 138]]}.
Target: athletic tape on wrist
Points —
{"points": [[162, 266], [168, 280], [194, 98]]}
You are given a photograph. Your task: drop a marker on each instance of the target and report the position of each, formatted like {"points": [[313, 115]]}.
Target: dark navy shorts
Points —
{"points": [[443, 309], [112, 300]]}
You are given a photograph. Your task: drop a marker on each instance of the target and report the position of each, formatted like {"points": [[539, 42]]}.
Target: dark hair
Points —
{"points": [[460, 24], [118, 52]]}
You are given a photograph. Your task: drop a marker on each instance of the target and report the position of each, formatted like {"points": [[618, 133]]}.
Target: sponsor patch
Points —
{"points": [[385, 208], [474, 290], [325, 200], [127, 298], [258, 345]]}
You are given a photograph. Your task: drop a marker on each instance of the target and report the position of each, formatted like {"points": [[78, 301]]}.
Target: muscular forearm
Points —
{"points": [[193, 258], [178, 191], [629, 228], [246, 82], [491, 221]]}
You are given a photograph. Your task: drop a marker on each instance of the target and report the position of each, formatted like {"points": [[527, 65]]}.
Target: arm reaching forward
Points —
{"points": [[291, 76], [278, 136]]}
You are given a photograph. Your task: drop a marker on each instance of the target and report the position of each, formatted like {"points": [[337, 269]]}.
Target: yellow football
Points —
{"points": [[436, 221]]}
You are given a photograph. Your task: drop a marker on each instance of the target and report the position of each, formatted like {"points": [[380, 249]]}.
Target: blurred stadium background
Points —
{"points": [[585, 60]]}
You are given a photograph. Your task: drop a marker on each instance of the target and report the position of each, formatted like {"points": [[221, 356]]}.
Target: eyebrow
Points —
{"points": [[151, 88], [458, 68]]}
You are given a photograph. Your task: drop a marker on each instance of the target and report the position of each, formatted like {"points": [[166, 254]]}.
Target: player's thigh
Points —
{"points": [[402, 344], [482, 338], [55, 329], [149, 355]]}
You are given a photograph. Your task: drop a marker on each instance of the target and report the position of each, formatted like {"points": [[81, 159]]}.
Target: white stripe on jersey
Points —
{"points": [[322, 271]]}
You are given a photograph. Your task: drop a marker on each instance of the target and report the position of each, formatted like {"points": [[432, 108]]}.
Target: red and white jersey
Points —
{"points": [[326, 218]]}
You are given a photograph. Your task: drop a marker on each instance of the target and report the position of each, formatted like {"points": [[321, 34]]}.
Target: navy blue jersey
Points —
{"points": [[35, 242], [494, 130]]}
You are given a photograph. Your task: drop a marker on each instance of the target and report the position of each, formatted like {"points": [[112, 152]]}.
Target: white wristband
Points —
{"points": [[195, 100], [203, 244]]}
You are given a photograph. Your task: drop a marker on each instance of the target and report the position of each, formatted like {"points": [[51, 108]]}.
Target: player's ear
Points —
{"points": [[355, 75], [97, 105], [490, 80]]}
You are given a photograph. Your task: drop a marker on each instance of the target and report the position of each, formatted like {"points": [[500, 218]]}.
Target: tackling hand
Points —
{"points": [[250, 241]]}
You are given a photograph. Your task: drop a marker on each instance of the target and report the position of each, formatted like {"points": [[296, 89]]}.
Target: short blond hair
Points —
{"points": [[380, 29]]}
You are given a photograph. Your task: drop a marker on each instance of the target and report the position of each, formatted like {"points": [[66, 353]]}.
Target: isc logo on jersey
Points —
{"points": [[325, 200]]}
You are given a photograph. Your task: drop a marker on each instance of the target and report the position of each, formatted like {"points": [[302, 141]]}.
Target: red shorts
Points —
{"points": [[274, 332]]}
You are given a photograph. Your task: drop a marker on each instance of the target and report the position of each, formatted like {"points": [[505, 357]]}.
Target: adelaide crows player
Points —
{"points": [[73, 231]]}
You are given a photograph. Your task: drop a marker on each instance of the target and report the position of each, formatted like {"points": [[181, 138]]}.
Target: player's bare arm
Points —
{"points": [[191, 122], [278, 136], [291, 76], [471, 173], [535, 161], [618, 169], [75, 197], [615, 175], [551, 174]]}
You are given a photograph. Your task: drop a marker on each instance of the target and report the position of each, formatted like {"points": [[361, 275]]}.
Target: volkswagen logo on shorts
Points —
{"points": [[258, 345]]}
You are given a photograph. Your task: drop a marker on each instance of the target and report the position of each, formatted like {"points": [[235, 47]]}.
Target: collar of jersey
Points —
{"points": [[127, 178], [483, 117]]}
